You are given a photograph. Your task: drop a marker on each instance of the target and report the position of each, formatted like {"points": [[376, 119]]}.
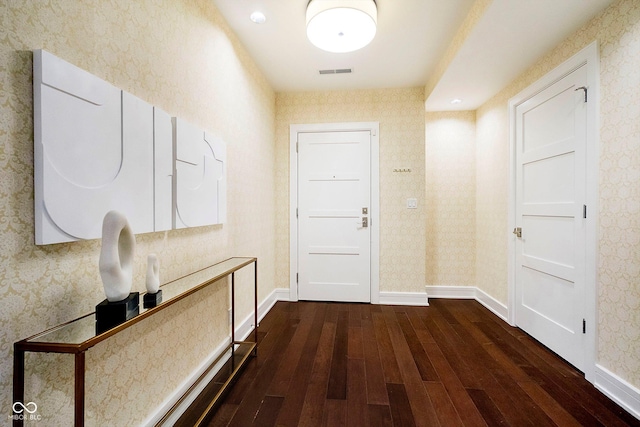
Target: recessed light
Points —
{"points": [[456, 101], [258, 17]]}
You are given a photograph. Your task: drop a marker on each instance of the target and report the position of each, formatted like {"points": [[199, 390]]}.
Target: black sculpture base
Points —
{"points": [[152, 300], [111, 314]]}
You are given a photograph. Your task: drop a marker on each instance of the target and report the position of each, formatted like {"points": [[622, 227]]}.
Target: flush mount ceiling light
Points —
{"points": [[341, 25]]}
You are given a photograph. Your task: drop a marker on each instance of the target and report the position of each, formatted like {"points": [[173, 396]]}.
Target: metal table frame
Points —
{"points": [[41, 343]]}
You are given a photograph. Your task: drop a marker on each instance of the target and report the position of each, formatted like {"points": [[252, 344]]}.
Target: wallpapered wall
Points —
{"points": [[618, 31], [401, 116], [181, 56], [450, 198]]}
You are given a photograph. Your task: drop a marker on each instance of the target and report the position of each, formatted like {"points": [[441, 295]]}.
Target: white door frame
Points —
{"points": [[591, 57], [374, 213]]}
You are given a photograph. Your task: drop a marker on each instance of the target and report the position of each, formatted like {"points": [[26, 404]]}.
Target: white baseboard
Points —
{"points": [[470, 292], [618, 390], [281, 294], [492, 304], [242, 332], [452, 292], [404, 298], [246, 326]]}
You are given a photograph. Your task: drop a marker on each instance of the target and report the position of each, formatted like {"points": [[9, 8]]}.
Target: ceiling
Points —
{"points": [[411, 40]]}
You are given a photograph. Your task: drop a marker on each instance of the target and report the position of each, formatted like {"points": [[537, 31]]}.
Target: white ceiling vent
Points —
{"points": [[337, 71]]}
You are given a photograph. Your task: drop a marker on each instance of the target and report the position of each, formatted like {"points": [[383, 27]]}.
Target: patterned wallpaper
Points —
{"points": [[401, 116], [450, 198], [492, 199], [618, 31], [181, 56]]}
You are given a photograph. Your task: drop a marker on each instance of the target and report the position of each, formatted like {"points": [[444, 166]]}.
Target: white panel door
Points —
{"points": [[550, 196], [334, 193]]}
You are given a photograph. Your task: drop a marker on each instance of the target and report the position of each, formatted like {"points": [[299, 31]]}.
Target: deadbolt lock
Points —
{"points": [[517, 231], [365, 211]]}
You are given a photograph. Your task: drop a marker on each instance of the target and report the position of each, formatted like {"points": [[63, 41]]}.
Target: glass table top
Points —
{"points": [[83, 329]]}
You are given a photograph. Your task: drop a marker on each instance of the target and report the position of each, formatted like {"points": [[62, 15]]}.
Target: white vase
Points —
{"points": [[116, 256], [153, 274]]}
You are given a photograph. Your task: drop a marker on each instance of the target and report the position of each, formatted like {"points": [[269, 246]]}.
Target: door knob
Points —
{"points": [[517, 231]]}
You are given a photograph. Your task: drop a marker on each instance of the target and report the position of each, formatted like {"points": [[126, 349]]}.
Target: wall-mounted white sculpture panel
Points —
{"points": [[94, 152], [163, 164], [200, 177]]}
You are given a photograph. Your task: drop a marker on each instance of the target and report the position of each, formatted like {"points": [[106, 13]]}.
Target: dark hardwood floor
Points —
{"points": [[451, 364]]}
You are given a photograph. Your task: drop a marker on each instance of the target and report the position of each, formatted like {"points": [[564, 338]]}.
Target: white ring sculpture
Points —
{"points": [[116, 256]]}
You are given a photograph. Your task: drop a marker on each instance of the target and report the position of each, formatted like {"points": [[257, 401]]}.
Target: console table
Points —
{"points": [[79, 335]]}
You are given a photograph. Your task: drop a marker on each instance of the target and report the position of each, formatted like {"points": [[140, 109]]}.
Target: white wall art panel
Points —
{"points": [[93, 149], [98, 148], [132, 192], [163, 170], [200, 177], [220, 151]]}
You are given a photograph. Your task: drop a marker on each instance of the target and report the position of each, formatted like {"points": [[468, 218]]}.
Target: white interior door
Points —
{"points": [[334, 205], [550, 210]]}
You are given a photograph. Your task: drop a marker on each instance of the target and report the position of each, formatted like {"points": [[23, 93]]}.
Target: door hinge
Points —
{"points": [[584, 326], [585, 92], [296, 146], [584, 211], [296, 277], [296, 212]]}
